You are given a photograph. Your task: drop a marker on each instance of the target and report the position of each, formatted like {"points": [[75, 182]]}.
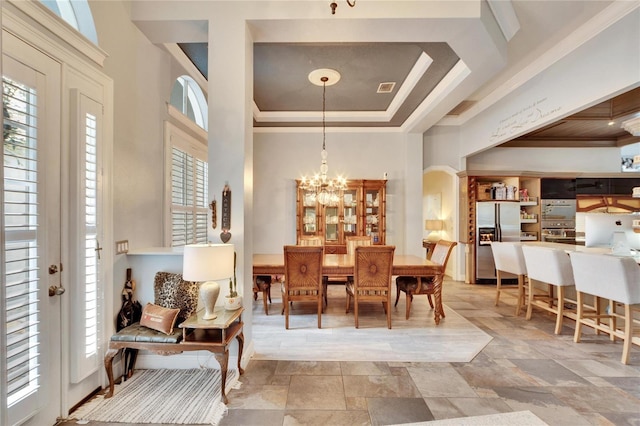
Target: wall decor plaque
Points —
{"points": [[225, 212]]}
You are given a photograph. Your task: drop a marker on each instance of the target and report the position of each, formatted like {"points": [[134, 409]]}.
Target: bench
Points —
{"points": [[192, 333]]}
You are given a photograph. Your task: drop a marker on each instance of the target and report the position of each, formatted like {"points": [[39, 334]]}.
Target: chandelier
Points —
{"points": [[326, 191], [334, 5]]}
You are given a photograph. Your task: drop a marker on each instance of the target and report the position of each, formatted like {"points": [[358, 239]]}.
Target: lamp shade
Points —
{"points": [[433, 225], [207, 262]]}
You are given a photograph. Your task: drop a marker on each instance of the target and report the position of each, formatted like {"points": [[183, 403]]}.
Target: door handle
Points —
{"points": [[54, 290]]}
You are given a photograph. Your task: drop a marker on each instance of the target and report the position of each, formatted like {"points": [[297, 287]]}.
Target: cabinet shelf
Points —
{"points": [[534, 220], [531, 201]]}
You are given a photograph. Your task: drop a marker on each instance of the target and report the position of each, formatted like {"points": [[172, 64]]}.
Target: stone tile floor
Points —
{"points": [[524, 367]]}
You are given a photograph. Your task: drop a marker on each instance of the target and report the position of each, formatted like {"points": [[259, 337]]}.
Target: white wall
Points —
{"points": [[595, 160], [442, 147], [606, 65], [280, 158]]}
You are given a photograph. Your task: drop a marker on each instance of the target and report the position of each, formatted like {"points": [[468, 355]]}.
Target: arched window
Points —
{"points": [[187, 97], [188, 165], [77, 14]]}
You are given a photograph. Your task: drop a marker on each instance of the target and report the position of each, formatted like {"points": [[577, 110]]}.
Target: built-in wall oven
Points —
{"points": [[558, 221]]}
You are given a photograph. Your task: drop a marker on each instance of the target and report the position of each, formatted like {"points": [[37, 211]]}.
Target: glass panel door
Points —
{"points": [[372, 206], [331, 224], [309, 214], [350, 213]]}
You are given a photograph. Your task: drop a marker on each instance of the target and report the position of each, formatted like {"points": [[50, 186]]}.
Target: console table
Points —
{"points": [[197, 334]]}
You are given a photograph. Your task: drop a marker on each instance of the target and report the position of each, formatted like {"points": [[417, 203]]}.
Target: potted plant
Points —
{"points": [[233, 301]]}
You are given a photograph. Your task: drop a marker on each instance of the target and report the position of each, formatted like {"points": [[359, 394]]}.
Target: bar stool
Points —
{"points": [[610, 277], [508, 258], [552, 267]]}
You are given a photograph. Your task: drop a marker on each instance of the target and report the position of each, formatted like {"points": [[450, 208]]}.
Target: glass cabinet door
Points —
{"points": [[331, 224], [309, 214], [350, 213], [372, 201]]}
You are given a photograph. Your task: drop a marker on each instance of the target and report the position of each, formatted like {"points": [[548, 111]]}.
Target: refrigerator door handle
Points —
{"points": [[498, 229]]}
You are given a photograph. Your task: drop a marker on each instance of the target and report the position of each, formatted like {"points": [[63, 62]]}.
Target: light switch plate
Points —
{"points": [[122, 247]]}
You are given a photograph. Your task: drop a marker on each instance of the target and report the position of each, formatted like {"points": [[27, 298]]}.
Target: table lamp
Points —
{"points": [[433, 225], [206, 263]]}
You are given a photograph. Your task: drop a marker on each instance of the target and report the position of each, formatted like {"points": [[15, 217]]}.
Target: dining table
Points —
{"points": [[340, 265]]}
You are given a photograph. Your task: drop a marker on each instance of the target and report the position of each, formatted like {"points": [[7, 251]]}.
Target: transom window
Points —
{"points": [[187, 97]]}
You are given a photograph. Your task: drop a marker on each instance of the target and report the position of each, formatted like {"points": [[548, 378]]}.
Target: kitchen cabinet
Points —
{"points": [[606, 186], [358, 211], [476, 189], [557, 189]]}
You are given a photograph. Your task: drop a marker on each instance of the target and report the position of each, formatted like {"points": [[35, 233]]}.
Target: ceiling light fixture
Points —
{"points": [[334, 5], [326, 191]]}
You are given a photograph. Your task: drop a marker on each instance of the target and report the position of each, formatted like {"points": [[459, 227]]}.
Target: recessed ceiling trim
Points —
{"points": [[421, 66], [450, 82], [354, 129], [419, 69], [316, 117]]}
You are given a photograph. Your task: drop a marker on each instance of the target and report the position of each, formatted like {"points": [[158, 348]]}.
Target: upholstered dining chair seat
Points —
{"points": [[350, 289]]}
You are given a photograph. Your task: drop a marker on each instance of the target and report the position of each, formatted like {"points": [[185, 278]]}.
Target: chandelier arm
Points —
{"points": [[351, 4]]}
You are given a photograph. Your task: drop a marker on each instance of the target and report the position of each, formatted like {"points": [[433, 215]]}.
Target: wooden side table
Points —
{"points": [[215, 336]]}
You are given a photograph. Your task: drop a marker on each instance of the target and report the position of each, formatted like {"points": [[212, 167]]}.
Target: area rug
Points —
{"points": [[417, 339], [189, 396]]}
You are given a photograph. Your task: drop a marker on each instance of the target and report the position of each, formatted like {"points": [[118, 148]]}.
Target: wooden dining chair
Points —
{"points": [[550, 267], [307, 240], [616, 279], [414, 286], [352, 243], [356, 241], [303, 278], [371, 279], [508, 258], [310, 241], [262, 284]]}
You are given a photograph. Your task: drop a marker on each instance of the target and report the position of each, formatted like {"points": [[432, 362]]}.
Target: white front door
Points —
{"points": [[31, 256]]}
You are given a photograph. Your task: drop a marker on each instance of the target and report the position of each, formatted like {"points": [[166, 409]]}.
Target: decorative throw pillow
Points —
{"points": [[171, 291], [159, 318]]}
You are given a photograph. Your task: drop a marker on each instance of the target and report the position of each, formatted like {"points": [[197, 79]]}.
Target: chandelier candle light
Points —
{"points": [[207, 263], [326, 191]]}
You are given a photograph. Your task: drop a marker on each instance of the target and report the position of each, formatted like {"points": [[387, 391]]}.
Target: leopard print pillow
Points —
{"points": [[171, 291]]}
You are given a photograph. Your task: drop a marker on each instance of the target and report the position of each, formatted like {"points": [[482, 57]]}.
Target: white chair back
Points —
{"points": [[508, 257], [548, 265], [610, 277]]}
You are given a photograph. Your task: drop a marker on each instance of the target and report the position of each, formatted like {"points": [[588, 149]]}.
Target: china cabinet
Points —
{"points": [[358, 211]]}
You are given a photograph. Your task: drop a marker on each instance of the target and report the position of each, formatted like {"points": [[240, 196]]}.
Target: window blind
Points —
{"points": [[189, 193], [91, 237], [21, 239]]}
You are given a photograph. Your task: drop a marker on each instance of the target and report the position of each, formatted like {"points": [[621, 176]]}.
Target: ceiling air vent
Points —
{"points": [[386, 87]]}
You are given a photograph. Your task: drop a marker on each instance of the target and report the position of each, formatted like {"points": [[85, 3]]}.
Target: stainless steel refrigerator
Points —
{"points": [[495, 221]]}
